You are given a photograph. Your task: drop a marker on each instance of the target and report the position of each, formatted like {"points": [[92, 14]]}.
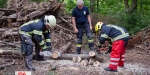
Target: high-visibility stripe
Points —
{"points": [[48, 40], [44, 47], [90, 41], [78, 45], [116, 59], [123, 56], [37, 32], [24, 33], [120, 36], [45, 31], [104, 35], [118, 28], [41, 43], [34, 21], [114, 63], [122, 59]]}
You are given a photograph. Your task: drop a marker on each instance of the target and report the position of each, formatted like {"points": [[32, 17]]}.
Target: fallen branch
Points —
{"points": [[7, 63]]}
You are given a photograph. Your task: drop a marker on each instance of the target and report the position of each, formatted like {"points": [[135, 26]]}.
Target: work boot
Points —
{"points": [[28, 62], [108, 69], [78, 51], [40, 58]]}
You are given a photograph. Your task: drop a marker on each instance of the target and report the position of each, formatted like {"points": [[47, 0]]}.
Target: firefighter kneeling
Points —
{"points": [[119, 37], [32, 31]]}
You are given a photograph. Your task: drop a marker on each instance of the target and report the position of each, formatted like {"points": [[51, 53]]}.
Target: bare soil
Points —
{"points": [[137, 63]]}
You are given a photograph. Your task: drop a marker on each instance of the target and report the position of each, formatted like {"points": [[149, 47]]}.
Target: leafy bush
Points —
{"points": [[2, 3]]}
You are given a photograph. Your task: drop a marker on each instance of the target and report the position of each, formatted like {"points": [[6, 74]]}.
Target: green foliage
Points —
{"points": [[133, 22], [70, 4], [2, 3], [115, 9]]}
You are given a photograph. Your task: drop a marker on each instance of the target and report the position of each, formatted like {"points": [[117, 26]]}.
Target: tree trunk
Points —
{"points": [[92, 6], [130, 8], [97, 6], [62, 50]]}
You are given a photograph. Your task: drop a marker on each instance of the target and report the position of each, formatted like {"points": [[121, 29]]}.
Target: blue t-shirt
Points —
{"points": [[80, 15]]}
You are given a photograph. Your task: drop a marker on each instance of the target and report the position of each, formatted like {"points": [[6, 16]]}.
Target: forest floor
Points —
{"points": [[137, 63]]}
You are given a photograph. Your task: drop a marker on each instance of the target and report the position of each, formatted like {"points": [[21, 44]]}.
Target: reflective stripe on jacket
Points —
{"points": [[113, 32], [36, 28]]}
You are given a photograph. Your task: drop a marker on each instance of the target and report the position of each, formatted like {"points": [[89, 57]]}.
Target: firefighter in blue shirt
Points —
{"points": [[32, 31], [82, 22], [119, 37]]}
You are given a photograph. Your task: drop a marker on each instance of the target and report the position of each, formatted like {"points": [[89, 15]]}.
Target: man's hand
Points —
{"points": [[76, 30], [91, 27]]}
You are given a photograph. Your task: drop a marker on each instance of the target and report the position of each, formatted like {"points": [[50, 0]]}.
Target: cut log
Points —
{"points": [[7, 10], [10, 52], [91, 61], [96, 63], [15, 54], [83, 56], [10, 34], [36, 13], [62, 50], [92, 53], [74, 59], [70, 56], [77, 59], [55, 55], [84, 62]]}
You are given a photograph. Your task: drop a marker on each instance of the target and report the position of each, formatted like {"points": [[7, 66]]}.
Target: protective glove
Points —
{"points": [[49, 48], [45, 53]]}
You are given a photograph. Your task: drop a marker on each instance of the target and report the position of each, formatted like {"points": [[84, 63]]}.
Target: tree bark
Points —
{"points": [[92, 5], [62, 50]]}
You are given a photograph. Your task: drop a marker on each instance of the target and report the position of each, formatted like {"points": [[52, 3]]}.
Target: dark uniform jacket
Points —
{"points": [[36, 29], [114, 33]]}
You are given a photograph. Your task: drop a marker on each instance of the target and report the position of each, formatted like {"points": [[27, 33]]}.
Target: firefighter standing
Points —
{"points": [[119, 37], [32, 31], [82, 22]]}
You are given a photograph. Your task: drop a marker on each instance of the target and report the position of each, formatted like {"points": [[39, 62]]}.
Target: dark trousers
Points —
{"points": [[27, 44], [79, 35]]}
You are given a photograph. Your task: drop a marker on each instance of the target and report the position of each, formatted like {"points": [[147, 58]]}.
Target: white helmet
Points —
{"points": [[50, 20]]}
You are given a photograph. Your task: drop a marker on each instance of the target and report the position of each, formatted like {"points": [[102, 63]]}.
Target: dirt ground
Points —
{"points": [[137, 63]]}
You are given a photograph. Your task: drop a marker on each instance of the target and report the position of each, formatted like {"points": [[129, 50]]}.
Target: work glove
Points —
{"points": [[46, 52], [49, 48]]}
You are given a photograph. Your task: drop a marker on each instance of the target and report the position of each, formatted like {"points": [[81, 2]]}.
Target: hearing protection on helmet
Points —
{"points": [[50, 20], [98, 26]]}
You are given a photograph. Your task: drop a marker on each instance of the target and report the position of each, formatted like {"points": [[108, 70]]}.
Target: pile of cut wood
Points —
{"points": [[18, 12]]}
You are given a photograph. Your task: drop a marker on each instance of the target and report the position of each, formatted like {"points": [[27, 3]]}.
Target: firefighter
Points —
{"points": [[82, 22], [33, 31], [119, 37]]}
